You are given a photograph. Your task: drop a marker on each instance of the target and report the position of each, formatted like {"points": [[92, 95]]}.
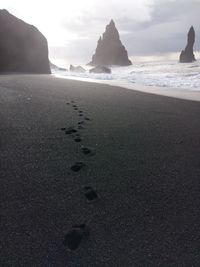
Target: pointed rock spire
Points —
{"points": [[110, 50], [112, 22], [187, 55]]}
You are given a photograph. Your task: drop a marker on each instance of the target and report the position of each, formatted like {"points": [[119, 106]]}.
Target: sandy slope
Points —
{"points": [[144, 165]]}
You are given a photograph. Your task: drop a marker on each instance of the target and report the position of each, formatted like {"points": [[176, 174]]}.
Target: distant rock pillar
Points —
{"points": [[110, 50], [187, 55]]}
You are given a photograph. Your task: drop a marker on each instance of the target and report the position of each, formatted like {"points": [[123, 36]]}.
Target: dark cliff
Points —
{"points": [[22, 47]]}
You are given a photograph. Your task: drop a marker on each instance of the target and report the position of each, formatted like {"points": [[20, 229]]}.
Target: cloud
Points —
{"points": [[147, 27]]}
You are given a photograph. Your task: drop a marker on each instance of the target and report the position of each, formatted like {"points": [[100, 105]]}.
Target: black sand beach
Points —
{"points": [[124, 163]]}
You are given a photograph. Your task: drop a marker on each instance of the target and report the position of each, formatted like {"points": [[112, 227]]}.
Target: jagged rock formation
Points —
{"points": [[100, 69], [22, 47], [76, 69], [187, 55], [110, 50]]}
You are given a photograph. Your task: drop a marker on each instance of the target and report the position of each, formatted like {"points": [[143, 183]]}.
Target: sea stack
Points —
{"points": [[22, 47], [110, 50], [187, 55]]}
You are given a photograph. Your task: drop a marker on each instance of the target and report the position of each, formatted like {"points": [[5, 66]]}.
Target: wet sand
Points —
{"points": [[95, 175]]}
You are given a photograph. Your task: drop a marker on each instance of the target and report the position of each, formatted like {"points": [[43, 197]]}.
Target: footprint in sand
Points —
{"points": [[74, 237], [87, 119], [77, 139], [90, 193], [86, 150], [78, 166], [81, 122], [70, 130], [80, 127]]}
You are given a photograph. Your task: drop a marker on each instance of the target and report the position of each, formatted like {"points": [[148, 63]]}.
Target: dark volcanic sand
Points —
{"points": [[146, 170]]}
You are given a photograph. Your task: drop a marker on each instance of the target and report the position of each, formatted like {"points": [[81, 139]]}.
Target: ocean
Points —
{"points": [[162, 77]]}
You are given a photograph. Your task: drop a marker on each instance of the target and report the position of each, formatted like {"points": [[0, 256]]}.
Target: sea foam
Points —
{"points": [[165, 75]]}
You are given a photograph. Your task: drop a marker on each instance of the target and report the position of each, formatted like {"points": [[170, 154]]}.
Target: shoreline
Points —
{"points": [[179, 93], [174, 92]]}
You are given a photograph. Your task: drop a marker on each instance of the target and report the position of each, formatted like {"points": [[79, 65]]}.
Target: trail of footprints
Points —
{"points": [[75, 235]]}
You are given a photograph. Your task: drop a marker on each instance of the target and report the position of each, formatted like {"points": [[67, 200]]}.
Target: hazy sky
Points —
{"points": [[72, 27]]}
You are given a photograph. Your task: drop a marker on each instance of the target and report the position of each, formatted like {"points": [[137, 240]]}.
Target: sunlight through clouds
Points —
{"points": [[73, 27], [59, 20]]}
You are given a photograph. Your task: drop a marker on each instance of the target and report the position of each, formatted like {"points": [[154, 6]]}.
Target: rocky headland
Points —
{"points": [[23, 48]]}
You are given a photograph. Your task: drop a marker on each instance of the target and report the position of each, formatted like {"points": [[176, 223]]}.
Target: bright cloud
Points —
{"points": [[72, 27]]}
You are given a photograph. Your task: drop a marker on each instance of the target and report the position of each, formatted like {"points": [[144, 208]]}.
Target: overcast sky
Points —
{"points": [[146, 27]]}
